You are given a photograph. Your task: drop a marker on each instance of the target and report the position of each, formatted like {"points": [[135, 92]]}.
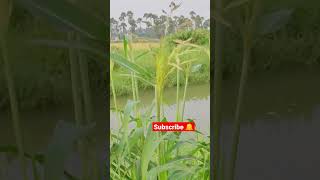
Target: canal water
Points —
{"points": [[197, 106]]}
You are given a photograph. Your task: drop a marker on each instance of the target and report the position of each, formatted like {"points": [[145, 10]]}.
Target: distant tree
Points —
{"points": [[193, 17], [139, 22], [198, 21], [114, 28], [184, 23], [155, 26], [123, 24], [206, 24], [131, 22]]}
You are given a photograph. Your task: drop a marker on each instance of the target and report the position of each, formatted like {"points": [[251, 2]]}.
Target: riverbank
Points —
{"points": [[123, 86]]}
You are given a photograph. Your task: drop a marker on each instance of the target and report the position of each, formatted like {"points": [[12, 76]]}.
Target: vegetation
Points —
{"points": [[50, 71], [258, 35], [153, 26], [145, 59], [139, 153], [177, 60]]}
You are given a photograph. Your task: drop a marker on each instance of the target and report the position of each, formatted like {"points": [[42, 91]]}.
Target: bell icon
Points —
{"points": [[189, 127]]}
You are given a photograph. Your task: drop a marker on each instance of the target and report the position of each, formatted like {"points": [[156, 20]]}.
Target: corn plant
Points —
{"points": [[154, 156]]}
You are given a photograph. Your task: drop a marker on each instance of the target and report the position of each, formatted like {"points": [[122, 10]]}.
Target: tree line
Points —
{"points": [[155, 26]]}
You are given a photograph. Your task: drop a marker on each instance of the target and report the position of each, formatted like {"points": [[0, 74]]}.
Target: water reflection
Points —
{"points": [[197, 106], [279, 129]]}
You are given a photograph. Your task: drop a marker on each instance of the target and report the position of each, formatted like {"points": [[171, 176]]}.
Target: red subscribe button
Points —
{"points": [[173, 126]]}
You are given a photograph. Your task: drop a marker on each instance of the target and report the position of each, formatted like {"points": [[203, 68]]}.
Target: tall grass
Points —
{"points": [[150, 155]]}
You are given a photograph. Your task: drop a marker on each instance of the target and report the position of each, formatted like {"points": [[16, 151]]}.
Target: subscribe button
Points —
{"points": [[173, 126]]}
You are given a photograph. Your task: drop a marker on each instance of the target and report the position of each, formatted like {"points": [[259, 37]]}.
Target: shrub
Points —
{"points": [[199, 37]]}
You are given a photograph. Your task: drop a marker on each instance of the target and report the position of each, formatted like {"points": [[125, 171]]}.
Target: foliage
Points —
{"points": [[198, 36], [156, 26], [150, 155]]}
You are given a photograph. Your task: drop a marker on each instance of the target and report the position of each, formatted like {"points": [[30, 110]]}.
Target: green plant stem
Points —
{"points": [[161, 149], [88, 111], [250, 21], [135, 89], [184, 95], [114, 95], [14, 107], [76, 93], [218, 52], [243, 81], [137, 95], [178, 93], [86, 87]]}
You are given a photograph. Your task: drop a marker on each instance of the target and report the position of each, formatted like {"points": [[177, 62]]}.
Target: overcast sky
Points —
{"points": [[139, 7]]}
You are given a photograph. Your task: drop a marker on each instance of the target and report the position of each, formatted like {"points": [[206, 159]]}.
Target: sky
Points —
{"points": [[139, 7]]}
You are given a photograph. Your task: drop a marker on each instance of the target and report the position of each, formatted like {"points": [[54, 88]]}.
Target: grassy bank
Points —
{"points": [[142, 50], [148, 154]]}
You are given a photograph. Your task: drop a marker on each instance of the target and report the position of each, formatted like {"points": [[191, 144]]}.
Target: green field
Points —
{"points": [[123, 85]]}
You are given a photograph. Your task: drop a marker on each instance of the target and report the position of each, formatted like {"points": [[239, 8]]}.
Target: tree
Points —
{"points": [[155, 26], [114, 28], [131, 21], [206, 24], [198, 20], [123, 24], [139, 22], [193, 17]]}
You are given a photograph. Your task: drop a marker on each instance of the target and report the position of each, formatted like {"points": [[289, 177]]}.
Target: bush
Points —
{"points": [[199, 37]]}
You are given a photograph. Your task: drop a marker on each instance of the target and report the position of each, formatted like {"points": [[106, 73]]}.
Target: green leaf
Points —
{"points": [[152, 141], [196, 68], [141, 55], [129, 107], [273, 22], [168, 166], [131, 66], [67, 16]]}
